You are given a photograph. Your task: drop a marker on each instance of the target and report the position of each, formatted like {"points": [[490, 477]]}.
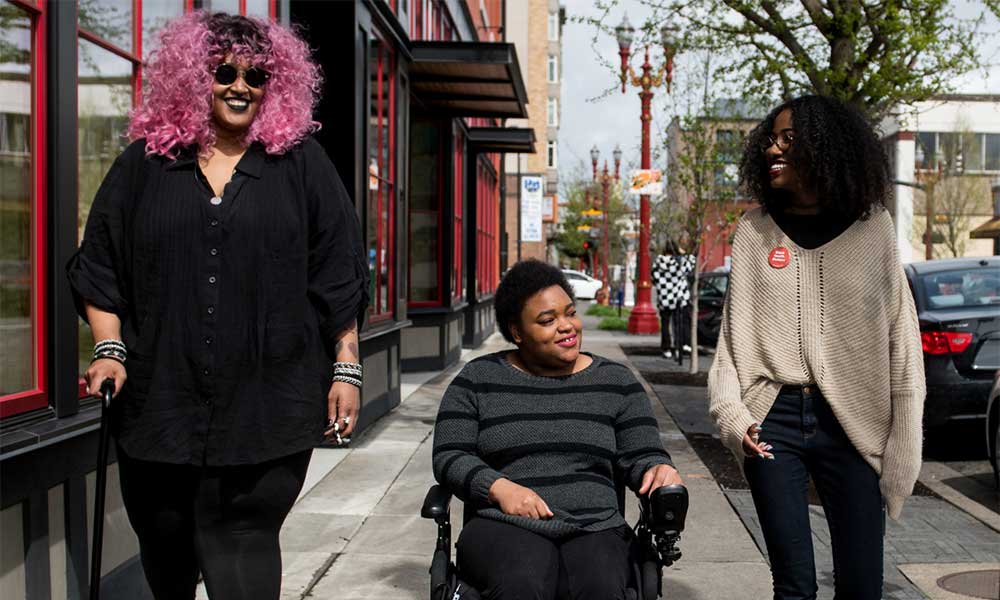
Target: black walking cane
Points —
{"points": [[107, 392]]}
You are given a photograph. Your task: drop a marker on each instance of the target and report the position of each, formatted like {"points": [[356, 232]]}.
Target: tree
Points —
{"points": [[701, 182], [875, 54], [581, 193]]}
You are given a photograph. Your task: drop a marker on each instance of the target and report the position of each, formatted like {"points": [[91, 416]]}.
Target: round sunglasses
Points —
{"points": [[226, 74]]}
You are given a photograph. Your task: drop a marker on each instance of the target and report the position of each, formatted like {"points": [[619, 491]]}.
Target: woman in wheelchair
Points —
{"points": [[534, 440]]}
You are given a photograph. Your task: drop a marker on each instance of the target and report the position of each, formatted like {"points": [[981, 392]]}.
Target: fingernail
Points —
{"points": [[761, 454], [770, 457]]}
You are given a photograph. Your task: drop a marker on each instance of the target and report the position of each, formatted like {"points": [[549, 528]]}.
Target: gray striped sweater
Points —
{"points": [[567, 438]]}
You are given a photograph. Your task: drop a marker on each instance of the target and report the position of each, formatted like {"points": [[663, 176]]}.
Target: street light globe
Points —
{"points": [[919, 154], [595, 153], [617, 153], [668, 39], [625, 33]]}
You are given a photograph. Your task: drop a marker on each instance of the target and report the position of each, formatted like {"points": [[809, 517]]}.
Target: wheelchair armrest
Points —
{"points": [[436, 503], [665, 510]]}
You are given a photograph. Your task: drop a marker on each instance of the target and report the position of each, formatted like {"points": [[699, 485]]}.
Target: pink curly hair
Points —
{"points": [[176, 108]]}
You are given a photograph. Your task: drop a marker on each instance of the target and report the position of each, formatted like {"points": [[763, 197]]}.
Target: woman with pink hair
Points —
{"points": [[223, 261]]}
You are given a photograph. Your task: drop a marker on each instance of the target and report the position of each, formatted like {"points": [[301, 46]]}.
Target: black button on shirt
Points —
{"points": [[281, 260]]}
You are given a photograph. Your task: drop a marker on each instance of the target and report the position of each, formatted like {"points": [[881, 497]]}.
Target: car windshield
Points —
{"points": [[714, 285], [961, 288]]}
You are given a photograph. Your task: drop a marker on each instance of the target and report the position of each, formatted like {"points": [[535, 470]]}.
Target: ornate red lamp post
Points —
{"points": [[644, 317]]}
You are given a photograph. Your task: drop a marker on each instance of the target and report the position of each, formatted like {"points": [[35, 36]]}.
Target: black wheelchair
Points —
{"points": [[661, 521]]}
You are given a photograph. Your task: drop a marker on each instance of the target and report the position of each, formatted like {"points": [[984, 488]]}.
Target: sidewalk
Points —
{"points": [[357, 532]]}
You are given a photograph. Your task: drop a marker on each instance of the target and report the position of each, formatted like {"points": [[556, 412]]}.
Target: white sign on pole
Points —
{"points": [[531, 209]]}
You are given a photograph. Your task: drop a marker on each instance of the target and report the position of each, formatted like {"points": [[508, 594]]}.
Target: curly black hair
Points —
{"points": [[522, 281], [836, 153]]}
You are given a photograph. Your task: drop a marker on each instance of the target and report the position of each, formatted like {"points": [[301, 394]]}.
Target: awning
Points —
{"points": [[987, 231], [502, 139], [468, 79]]}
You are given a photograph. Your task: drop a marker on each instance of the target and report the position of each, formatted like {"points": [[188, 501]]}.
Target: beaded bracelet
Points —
{"points": [[112, 349], [348, 372]]}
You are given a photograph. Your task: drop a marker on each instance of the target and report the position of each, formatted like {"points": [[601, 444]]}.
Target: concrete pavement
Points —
{"points": [[357, 532]]}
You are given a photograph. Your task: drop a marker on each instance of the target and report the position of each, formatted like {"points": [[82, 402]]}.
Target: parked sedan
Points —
{"points": [[584, 286], [712, 288], [958, 306]]}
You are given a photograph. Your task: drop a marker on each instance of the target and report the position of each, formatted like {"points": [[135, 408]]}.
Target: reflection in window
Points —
{"points": [[17, 347], [110, 20], [228, 6], [105, 97], [258, 8], [425, 165], [381, 180], [926, 150], [156, 14], [992, 151]]}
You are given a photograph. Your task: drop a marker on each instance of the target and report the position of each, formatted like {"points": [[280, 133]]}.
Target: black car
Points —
{"points": [[712, 288], [958, 305]]}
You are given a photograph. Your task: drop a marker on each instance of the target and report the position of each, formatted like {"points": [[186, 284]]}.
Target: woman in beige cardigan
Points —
{"points": [[818, 371]]}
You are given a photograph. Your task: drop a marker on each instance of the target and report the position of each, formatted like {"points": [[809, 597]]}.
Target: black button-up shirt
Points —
{"points": [[229, 309]]}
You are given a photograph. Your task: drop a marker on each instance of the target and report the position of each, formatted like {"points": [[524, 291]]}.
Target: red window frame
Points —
{"points": [[37, 396], [385, 65], [457, 287]]}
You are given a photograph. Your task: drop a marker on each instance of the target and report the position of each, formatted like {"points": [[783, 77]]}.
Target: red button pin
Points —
{"points": [[779, 257]]}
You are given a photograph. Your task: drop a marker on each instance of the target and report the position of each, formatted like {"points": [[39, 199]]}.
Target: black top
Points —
{"points": [[811, 231], [229, 310]]}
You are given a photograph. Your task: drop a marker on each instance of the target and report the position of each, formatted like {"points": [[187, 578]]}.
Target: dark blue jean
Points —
{"points": [[809, 442]]}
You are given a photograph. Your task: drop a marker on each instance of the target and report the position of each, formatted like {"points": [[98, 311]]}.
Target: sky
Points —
{"points": [[593, 111]]}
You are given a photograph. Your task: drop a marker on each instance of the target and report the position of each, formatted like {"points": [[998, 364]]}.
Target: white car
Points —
{"points": [[584, 286]]}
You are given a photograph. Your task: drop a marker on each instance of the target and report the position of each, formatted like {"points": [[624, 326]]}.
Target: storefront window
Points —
{"points": [[18, 344], [425, 213], [104, 97], [156, 14], [457, 274], [229, 6], [381, 177], [258, 8], [486, 227], [110, 20]]}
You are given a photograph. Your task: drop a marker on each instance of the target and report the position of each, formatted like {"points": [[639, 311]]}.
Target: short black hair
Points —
{"points": [[522, 281], [836, 153]]}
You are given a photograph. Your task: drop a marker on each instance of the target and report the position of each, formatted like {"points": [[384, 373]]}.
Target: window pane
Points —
{"points": [[110, 20], [993, 151], [926, 143], [105, 97], [229, 6], [155, 14], [423, 257], [972, 151], [258, 8], [17, 347]]}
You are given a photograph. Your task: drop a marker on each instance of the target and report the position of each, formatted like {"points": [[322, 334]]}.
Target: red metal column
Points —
{"points": [[643, 318]]}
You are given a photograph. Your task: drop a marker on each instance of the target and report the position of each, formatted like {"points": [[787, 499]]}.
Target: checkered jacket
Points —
{"points": [[670, 277]]}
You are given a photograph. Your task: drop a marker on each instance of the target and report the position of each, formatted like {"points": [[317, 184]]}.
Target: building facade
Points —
{"points": [[415, 93], [721, 134], [534, 27], [950, 142]]}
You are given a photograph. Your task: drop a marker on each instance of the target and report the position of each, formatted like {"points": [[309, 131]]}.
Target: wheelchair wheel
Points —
{"points": [[650, 580]]}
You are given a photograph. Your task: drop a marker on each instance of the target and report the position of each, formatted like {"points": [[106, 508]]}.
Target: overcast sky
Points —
{"points": [[591, 116]]}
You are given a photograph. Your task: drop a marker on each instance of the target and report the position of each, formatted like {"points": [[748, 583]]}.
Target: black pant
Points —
{"points": [[809, 441], [665, 323], [222, 521], [504, 561]]}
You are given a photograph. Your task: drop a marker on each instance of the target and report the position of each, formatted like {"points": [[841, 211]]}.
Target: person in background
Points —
{"points": [[534, 439], [223, 276], [794, 390], [671, 273]]}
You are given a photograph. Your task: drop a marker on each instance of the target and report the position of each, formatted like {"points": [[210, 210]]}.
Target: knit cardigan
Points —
{"points": [[570, 439], [840, 316]]}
